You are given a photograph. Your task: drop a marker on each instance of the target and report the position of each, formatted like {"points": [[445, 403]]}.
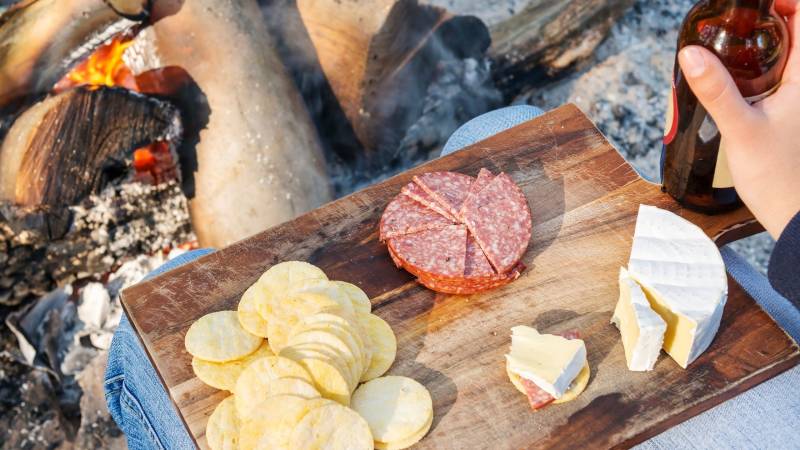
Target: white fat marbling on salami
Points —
{"points": [[500, 219], [405, 216], [484, 178], [476, 265], [436, 252], [450, 189]]}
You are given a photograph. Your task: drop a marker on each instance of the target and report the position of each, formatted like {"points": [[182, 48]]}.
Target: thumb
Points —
{"points": [[714, 87]]}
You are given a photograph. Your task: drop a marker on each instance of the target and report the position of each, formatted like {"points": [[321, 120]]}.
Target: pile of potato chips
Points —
{"points": [[293, 390]]}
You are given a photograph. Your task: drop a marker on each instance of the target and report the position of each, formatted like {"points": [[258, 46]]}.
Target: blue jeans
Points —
{"points": [[767, 416]]}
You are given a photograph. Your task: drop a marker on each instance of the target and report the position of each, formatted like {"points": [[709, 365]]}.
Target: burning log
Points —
{"points": [[380, 57], [70, 145], [257, 162], [547, 37], [40, 40]]}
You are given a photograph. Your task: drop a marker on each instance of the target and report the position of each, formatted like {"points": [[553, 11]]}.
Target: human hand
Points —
{"points": [[762, 141]]}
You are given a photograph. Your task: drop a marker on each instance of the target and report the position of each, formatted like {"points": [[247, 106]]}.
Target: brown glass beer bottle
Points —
{"points": [[752, 41]]}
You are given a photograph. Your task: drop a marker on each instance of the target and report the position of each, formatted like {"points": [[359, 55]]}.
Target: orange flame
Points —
{"points": [[105, 67]]}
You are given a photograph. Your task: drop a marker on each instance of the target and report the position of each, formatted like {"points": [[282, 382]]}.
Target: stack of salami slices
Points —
{"points": [[458, 234]]}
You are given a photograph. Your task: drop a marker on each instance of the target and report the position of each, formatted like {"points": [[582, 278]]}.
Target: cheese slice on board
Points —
{"points": [[550, 361], [641, 328], [683, 275]]}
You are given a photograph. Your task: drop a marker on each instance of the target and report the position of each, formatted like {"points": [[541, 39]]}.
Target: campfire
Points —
{"points": [[132, 131]]}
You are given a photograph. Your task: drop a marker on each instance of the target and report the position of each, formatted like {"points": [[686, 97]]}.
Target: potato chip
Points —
{"points": [[281, 279], [285, 315], [341, 351], [384, 345], [330, 378], [341, 327], [332, 290], [249, 317], [222, 430], [396, 408], [357, 297], [258, 376], [224, 375], [272, 423], [408, 442], [331, 427], [218, 337]]}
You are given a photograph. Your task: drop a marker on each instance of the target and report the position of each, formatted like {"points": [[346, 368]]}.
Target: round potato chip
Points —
{"points": [[249, 317], [332, 290], [218, 337], [384, 345], [272, 423], [224, 375], [222, 430], [331, 427], [248, 402], [357, 297], [405, 443], [282, 279], [343, 352], [259, 375], [575, 389], [325, 353], [328, 377], [396, 408], [285, 315], [341, 327]]}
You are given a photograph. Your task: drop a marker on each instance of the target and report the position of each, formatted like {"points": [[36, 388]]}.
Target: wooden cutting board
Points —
{"points": [[584, 199]]}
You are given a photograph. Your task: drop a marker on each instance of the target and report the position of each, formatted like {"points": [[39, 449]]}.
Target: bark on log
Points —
{"points": [[68, 146], [258, 161], [379, 57], [548, 37], [40, 40]]}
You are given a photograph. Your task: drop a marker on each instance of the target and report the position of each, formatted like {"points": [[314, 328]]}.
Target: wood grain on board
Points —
{"points": [[584, 199]]}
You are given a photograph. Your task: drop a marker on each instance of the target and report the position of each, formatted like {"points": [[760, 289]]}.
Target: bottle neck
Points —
{"points": [[764, 6]]}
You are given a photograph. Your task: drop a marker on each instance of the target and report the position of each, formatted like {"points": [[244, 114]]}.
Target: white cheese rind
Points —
{"points": [[550, 361], [642, 328], [683, 274]]}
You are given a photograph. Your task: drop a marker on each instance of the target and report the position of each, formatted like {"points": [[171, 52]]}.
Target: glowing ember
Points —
{"points": [[105, 67]]}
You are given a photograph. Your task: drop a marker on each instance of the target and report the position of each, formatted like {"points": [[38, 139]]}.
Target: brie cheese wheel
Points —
{"points": [[550, 361], [641, 328], [683, 276]]}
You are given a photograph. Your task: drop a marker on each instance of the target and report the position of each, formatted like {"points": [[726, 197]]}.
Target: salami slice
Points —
{"points": [[450, 189], [416, 192], [484, 178], [537, 397], [476, 265], [438, 252], [405, 216], [500, 219]]}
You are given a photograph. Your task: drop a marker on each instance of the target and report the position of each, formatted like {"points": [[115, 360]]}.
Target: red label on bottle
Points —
{"points": [[671, 128]]}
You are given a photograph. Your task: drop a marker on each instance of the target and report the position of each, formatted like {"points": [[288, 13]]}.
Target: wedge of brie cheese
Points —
{"points": [[641, 328], [550, 361], [683, 276]]}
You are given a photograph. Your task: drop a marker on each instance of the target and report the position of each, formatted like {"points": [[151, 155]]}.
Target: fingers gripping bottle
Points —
{"points": [[752, 41]]}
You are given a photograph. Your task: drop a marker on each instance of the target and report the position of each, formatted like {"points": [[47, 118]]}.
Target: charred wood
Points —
{"points": [[548, 37], [71, 145]]}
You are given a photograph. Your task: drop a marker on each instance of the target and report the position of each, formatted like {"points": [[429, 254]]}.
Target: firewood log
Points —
{"points": [[257, 162], [70, 145], [548, 37], [41, 40], [380, 56]]}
